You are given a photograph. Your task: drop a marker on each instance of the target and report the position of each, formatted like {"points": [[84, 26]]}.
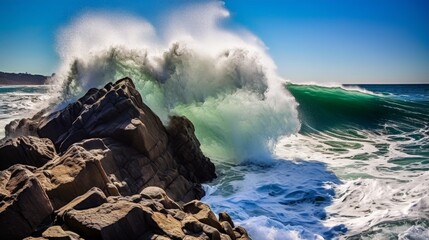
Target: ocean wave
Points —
{"points": [[229, 89]]}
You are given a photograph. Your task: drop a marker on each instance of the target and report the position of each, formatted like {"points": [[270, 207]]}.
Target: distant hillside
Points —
{"points": [[21, 79]]}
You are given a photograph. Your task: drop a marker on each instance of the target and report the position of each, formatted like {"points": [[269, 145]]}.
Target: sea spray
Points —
{"points": [[222, 80], [226, 83]]}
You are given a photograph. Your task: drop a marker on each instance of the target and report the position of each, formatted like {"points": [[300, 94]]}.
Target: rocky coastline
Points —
{"points": [[105, 167]]}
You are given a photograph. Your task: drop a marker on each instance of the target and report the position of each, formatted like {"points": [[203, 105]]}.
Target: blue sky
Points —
{"points": [[347, 41]]}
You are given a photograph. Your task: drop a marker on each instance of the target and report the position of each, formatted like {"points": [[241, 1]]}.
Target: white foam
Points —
{"points": [[373, 193], [222, 79]]}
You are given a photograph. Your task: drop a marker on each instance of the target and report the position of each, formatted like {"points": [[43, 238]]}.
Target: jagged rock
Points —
{"points": [[168, 225], [138, 150], [211, 232], [203, 213], [159, 195], [119, 174], [116, 111], [119, 220], [93, 198], [186, 148], [192, 224], [224, 217], [227, 228], [26, 150], [24, 204], [242, 233], [73, 174], [131, 171], [135, 217]]}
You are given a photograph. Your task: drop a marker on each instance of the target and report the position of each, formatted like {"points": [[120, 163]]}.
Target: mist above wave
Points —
{"points": [[222, 79]]}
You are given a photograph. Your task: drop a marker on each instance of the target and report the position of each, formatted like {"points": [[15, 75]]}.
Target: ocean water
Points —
{"points": [[295, 161], [20, 101], [356, 169]]}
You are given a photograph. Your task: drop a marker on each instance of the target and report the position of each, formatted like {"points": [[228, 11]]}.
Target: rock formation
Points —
{"points": [[105, 167]]}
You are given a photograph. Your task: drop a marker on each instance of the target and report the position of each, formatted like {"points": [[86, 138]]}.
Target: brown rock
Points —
{"points": [[72, 175], [242, 232], [116, 111], [93, 198], [110, 144], [225, 237], [149, 215], [120, 220], [57, 233], [159, 195], [211, 232], [153, 236], [24, 204], [227, 228], [137, 149], [168, 225], [203, 213], [191, 224], [27, 150], [186, 148], [224, 217]]}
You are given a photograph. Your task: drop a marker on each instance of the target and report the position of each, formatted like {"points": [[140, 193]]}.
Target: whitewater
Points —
{"points": [[295, 161]]}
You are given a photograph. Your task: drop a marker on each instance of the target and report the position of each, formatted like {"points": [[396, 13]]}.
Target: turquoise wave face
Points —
{"points": [[392, 121], [323, 108]]}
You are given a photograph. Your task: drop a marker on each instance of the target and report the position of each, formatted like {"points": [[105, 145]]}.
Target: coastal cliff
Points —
{"points": [[105, 167]]}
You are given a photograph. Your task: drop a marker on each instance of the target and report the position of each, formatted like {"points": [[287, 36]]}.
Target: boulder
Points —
{"points": [[227, 228], [73, 174], [118, 220], [241, 233], [26, 150], [203, 213], [24, 204], [224, 217], [159, 195]]}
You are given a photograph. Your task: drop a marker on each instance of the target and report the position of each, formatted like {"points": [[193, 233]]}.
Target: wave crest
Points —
{"points": [[223, 80]]}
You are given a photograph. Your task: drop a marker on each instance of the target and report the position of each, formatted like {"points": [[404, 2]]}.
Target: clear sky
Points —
{"points": [[343, 41]]}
